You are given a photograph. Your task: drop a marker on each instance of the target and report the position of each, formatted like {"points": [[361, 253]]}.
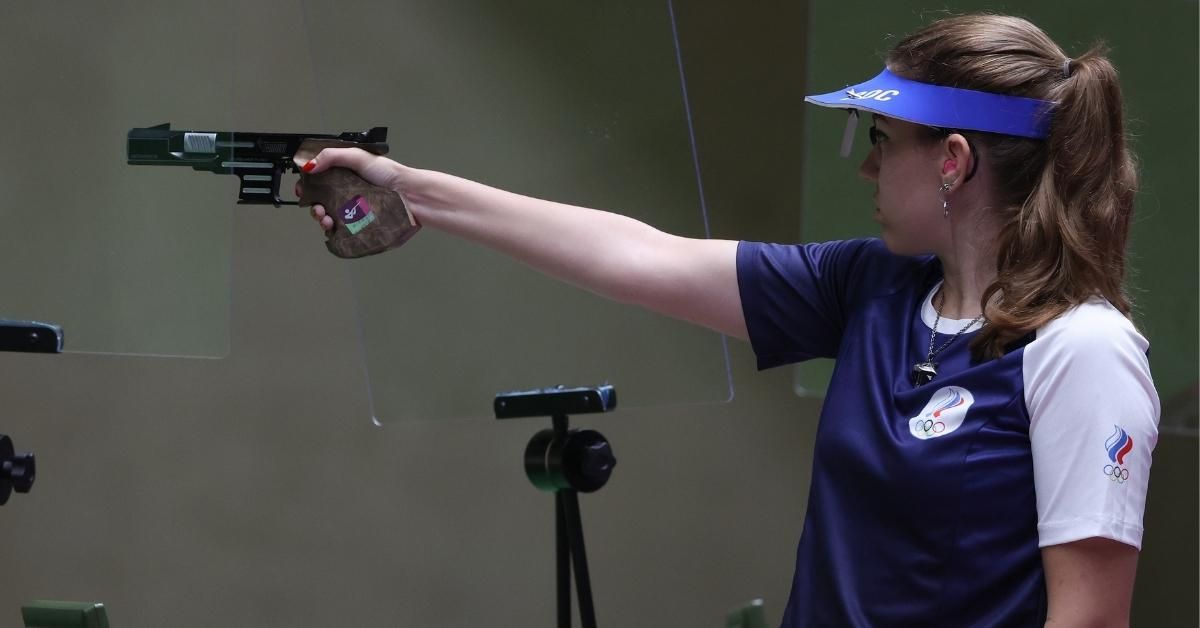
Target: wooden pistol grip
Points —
{"points": [[367, 219]]}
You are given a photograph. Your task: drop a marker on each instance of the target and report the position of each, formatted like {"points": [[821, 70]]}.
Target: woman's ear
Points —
{"points": [[956, 158]]}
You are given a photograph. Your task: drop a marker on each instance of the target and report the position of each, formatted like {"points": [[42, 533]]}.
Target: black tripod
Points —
{"points": [[566, 462], [17, 470]]}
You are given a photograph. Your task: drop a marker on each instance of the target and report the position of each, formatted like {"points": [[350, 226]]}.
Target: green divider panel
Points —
{"points": [[59, 614], [1154, 47]]}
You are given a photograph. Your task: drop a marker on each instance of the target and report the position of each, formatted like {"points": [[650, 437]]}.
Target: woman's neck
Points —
{"points": [[969, 267]]}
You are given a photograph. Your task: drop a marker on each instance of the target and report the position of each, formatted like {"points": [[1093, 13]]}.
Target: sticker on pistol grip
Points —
{"points": [[356, 214]]}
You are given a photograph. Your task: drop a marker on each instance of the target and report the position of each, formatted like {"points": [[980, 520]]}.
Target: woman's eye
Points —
{"points": [[876, 135]]}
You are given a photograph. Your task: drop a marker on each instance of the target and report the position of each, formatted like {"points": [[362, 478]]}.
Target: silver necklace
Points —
{"points": [[923, 372]]}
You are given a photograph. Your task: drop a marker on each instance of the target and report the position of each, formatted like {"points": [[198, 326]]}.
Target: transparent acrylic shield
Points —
{"points": [[126, 259], [577, 103]]}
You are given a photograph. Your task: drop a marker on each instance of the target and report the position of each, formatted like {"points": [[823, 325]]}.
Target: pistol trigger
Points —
{"points": [[276, 181]]}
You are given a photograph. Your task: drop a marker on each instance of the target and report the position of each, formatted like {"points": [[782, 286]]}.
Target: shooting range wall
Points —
{"points": [[252, 490]]}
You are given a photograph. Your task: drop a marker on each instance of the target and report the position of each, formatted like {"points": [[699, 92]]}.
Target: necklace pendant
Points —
{"points": [[923, 372]]}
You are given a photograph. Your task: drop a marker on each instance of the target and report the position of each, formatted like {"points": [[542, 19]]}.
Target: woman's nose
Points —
{"points": [[869, 168]]}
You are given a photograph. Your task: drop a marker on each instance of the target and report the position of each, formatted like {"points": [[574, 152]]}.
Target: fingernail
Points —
{"points": [[308, 167]]}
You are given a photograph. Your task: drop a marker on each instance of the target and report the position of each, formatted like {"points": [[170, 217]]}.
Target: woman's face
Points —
{"points": [[906, 167]]}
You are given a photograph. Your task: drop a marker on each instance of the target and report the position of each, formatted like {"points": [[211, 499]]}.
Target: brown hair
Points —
{"points": [[1066, 201]]}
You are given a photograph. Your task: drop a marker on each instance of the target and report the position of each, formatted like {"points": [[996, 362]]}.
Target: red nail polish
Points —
{"points": [[308, 167]]}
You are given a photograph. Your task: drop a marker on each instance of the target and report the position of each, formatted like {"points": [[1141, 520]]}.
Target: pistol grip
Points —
{"points": [[367, 219]]}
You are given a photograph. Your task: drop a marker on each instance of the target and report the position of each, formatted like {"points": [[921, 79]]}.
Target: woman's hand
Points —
{"points": [[375, 169]]}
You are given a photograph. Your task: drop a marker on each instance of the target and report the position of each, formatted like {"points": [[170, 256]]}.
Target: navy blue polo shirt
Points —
{"points": [[922, 509]]}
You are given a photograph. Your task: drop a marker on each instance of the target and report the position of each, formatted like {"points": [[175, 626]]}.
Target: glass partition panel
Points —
{"points": [[127, 259], [578, 103]]}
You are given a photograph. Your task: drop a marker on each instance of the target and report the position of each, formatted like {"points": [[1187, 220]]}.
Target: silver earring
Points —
{"points": [[945, 202]]}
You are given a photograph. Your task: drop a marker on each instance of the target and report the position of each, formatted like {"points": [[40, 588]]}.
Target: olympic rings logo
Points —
{"points": [[929, 426], [943, 413], [1116, 473]]}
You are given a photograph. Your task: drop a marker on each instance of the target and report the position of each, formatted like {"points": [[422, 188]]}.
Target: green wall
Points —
{"points": [[252, 491], [1154, 46]]}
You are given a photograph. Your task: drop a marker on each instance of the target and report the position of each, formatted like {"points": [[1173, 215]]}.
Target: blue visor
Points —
{"points": [[944, 107]]}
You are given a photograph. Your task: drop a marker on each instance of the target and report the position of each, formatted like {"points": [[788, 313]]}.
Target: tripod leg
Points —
{"points": [[563, 557], [583, 584]]}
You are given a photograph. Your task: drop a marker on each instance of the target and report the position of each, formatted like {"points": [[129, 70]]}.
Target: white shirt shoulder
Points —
{"points": [[1094, 418]]}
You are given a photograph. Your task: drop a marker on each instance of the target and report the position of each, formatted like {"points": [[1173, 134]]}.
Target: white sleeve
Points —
{"points": [[1094, 417]]}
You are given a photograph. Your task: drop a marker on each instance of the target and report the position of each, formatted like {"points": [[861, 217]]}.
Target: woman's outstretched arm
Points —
{"points": [[609, 254]]}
